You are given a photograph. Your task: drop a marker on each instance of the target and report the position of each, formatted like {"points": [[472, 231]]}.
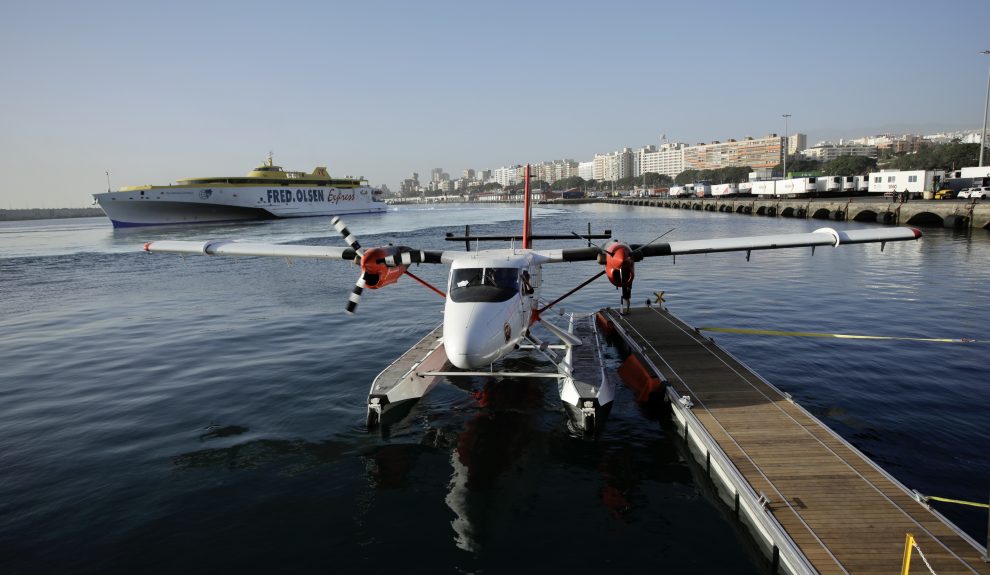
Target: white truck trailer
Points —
{"points": [[828, 184], [725, 189], [913, 181]]}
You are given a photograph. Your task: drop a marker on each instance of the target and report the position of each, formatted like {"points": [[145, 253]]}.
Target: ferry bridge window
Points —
{"points": [[483, 284]]}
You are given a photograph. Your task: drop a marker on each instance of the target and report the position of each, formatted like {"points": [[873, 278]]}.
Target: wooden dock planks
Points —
{"points": [[845, 514]]}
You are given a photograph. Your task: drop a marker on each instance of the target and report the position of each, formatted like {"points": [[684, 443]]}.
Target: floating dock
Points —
{"points": [[814, 503]]}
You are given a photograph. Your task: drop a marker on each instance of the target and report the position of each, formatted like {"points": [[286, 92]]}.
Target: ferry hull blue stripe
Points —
{"points": [[120, 224]]}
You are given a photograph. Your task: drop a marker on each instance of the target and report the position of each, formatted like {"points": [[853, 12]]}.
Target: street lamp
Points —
{"points": [[786, 143], [983, 136]]}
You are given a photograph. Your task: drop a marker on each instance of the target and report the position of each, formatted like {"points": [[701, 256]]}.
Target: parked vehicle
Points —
{"points": [[828, 184], [725, 189], [849, 184], [980, 193], [964, 193], [914, 181], [944, 194]]}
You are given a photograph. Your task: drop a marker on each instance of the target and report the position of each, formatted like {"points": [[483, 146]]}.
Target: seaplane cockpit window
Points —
{"points": [[483, 284]]}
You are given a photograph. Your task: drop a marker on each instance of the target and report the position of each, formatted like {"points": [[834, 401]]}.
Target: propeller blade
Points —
{"points": [[355, 297], [348, 236], [601, 248], [640, 248]]}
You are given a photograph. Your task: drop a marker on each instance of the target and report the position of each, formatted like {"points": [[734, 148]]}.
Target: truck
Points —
{"points": [[912, 181], [828, 184], [724, 189], [972, 177], [703, 189], [792, 187], [797, 186], [862, 183], [848, 184], [764, 188]]}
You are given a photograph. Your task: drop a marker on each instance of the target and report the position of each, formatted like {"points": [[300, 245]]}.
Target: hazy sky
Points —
{"points": [[152, 92]]}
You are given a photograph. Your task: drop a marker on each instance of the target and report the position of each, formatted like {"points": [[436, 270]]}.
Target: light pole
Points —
{"points": [[983, 136], [786, 144]]}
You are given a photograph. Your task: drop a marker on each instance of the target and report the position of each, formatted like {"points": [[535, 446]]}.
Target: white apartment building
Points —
{"points": [[506, 175], [614, 166], [586, 170], [668, 159]]}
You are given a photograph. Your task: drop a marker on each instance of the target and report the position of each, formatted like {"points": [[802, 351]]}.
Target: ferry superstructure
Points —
{"points": [[265, 192]]}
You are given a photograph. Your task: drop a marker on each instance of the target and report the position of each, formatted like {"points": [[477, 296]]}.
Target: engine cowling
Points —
{"points": [[376, 269], [620, 265]]}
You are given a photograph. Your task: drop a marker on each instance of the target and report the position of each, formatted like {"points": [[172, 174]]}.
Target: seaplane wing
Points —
{"points": [[403, 255], [820, 237], [236, 248]]}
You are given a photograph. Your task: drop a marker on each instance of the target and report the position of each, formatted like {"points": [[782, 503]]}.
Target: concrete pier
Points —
{"points": [[937, 213]]}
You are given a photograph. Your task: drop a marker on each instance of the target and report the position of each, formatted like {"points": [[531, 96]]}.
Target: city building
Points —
{"points": [[827, 152], [410, 186], [763, 152], [614, 166], [586, 170], [506, 175], [668, 159], [796, 143]]}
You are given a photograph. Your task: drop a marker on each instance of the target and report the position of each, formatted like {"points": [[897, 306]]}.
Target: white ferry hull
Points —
{"points": [[168, 205]]}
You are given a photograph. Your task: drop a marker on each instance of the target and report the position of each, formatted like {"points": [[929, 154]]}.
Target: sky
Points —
{"points": [[152, 92]]}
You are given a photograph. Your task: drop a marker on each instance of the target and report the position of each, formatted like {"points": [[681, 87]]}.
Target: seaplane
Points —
{"points": [[493, 300]]}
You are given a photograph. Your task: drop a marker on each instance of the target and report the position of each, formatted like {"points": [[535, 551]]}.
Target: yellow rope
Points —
{"points": [[832, 335], [971, 503]]}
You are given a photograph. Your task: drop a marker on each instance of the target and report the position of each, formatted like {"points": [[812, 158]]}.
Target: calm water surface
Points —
{"points": [[160, 414]]}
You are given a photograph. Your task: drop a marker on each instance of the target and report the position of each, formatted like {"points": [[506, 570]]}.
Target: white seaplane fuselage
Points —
{"points": [[491, 295]]}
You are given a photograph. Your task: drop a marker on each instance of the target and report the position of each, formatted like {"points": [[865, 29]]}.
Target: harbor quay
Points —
{"points": [[954, 214], [883, 210]]}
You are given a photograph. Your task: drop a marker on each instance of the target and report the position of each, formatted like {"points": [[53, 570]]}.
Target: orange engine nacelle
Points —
{"points": [[619, 264], [377, 273]]}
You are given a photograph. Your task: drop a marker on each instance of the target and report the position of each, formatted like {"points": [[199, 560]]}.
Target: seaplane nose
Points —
{"points": [[472, 339], [470, 348]]}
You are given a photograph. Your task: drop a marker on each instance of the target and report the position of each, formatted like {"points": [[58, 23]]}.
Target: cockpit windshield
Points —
{"points": [[483, 284]]}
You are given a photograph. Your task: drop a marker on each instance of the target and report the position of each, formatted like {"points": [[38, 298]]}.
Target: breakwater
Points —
{"points": [[49, 213]]}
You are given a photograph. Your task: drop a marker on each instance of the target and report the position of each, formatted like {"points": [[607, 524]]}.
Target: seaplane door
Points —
{"points": [[528, 282]]}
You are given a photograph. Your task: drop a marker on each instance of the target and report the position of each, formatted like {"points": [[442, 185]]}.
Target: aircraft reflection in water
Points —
{"points": [[493, 297]]}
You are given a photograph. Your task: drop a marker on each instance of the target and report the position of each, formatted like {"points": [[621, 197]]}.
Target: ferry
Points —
{"points": [[266, 192]]}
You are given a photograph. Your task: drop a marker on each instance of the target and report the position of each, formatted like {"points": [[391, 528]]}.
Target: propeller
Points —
{"points": [[355, 297], [619, 262], [382, 266]]}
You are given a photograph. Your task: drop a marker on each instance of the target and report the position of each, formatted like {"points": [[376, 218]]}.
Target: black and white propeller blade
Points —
{"points": [[355, 297], [346, 234]]}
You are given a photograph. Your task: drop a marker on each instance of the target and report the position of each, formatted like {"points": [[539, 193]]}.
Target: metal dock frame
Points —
{"points": [[750, 506]]}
